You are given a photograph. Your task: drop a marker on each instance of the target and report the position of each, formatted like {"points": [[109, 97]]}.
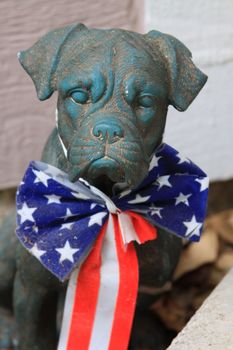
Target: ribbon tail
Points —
{"points": [[81, 301], [127, 293], [101, 296]]}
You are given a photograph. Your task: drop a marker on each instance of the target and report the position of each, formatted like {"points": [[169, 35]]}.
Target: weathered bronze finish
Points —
{"points": [[114, 88]]}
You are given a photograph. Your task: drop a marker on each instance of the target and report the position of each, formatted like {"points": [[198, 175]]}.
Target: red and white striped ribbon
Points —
{"points": [[101, 295]]}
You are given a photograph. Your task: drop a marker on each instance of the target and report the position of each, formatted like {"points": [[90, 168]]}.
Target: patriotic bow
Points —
{"points": [[59, 222]]}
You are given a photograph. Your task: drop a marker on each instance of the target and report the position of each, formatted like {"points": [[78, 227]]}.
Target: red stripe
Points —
{"points": [[127, 293], [145, 231], [86, 297]]}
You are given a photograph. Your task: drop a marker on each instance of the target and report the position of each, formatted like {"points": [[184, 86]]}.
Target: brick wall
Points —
{"points": [[205, 131]]}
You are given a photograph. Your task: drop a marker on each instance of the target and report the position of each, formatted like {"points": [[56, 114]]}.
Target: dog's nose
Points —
{"points": [[108, 131]]}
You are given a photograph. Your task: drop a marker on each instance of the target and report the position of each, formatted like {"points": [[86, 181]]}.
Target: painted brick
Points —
{"points": [[203, 132]]}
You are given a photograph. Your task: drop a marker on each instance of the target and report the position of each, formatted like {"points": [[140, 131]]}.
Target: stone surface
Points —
{"points": [[212, 326]]}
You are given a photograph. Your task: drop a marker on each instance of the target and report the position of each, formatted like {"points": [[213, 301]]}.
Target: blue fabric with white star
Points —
{"points": [[59, 221]]}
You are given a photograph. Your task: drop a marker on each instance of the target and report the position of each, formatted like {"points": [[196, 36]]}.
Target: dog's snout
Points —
{"points": [[108, 131]]}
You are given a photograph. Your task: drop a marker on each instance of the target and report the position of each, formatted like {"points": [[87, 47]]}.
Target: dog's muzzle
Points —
{"points": [[107, 152]]}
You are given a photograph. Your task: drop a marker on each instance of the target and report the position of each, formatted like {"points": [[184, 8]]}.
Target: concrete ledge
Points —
{"points": [[212, 325]]}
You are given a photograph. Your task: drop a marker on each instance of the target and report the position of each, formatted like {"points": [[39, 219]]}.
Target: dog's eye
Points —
{"points": [[146, 101], [79, 96]]}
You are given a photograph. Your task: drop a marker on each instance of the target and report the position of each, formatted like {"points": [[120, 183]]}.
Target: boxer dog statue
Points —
{"points": [[114, 88]]}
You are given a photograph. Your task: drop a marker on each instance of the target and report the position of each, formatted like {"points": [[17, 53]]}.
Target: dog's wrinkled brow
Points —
{"points": [[94, 81], [134, 86], [74, 81]]}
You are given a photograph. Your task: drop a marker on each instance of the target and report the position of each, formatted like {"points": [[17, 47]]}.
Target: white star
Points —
{"points": [[204, 183], [52, 198], [67, 226], [68, 213], [97, 219], [52, 171], [156, 211], [41, 177], [67, 252], [93, 205], [182, 198], [36, 251], [154, 162], [79, 195], [163, 181], [26, 213], [182, 159], [193, 227], [138, 199], [35, 228], [124, 193]]}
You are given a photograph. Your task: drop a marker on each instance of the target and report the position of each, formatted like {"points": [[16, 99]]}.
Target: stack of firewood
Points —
{"points": [[200, 269]]}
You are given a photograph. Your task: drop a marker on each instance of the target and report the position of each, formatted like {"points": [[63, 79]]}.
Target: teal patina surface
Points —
{"points": [[114, 88]]}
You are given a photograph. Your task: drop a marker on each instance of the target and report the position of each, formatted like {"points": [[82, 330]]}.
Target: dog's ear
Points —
{"points": [[185, 80], [40, 61]]}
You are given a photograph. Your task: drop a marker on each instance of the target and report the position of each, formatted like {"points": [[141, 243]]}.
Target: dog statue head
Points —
{"points": [[114, 87]]}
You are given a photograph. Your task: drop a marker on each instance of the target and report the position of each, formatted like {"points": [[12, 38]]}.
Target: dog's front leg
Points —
{"points": [[158, 259], [28, 301], [34, 305]]}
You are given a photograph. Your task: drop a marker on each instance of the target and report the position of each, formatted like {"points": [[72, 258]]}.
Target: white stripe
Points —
{"points": [[59, 137], [108, 292], [127, 229], [68, 311], [63, 146]]}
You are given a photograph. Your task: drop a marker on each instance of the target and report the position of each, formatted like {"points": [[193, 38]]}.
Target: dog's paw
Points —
{"points": [[148, 333], [8, 339]]}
